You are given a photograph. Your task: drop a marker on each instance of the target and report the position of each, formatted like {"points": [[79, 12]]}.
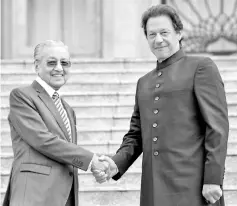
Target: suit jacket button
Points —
{"points": [[80, 164], [154, 125], [156, 153], [157, 98], [71, 174], [156, 111]]}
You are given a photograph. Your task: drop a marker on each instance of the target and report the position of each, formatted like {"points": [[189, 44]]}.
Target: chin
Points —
{"points": [[58, 86], [161, 58]]}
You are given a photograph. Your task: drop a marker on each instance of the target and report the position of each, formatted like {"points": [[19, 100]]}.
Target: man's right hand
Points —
{"points": [[99, 169], [113, 169], [103, 168]]}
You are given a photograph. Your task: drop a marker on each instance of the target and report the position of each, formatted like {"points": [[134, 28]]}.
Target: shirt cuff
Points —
{"points": [[89, 167], [116, 169]]}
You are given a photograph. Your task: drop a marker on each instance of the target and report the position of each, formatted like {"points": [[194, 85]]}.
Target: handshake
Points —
{"points": [[103, 168]]}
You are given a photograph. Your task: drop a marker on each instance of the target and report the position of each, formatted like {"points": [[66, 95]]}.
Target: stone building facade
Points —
{"points": [[111, 28]]}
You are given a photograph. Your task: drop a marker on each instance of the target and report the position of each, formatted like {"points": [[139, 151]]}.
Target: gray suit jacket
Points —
{"points": [[45, 163]]}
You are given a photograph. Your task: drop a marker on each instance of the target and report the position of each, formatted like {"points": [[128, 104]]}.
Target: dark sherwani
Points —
{"points": [[180, 124]]}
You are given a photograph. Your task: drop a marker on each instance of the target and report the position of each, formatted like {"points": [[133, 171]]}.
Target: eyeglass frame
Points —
{"points": [[61, 61]]}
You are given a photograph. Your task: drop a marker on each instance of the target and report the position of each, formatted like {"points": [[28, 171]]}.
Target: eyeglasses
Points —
{"points": [[54, 63]]}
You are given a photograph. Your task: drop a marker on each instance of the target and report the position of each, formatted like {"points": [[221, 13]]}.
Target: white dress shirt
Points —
{"points": [[47, 88], [51, 91]]}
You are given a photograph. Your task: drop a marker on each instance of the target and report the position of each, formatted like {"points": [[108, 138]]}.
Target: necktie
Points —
{"points": [[62, 113]]}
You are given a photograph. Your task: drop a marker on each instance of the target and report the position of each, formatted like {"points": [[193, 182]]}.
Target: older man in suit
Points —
{"points": [[44, 137]]}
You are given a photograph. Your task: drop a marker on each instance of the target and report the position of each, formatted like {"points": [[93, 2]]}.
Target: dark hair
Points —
{"points": [[162, 10]]}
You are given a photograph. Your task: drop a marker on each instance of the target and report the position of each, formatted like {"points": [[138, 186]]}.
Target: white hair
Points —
{"points": [[39, 48]]}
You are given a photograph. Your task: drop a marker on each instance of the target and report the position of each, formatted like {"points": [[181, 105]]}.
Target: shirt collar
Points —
{"points": [[47, 88]]}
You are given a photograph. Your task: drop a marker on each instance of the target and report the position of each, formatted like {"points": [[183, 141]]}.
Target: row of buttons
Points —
{"points": [[156, 153], [157, 86]]}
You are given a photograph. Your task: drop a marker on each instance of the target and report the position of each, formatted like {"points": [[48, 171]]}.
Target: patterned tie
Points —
{"points": [[62, 113]]}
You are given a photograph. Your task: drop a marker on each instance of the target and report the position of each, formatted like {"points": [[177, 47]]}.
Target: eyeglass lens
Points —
{"points": [[64, 64]]}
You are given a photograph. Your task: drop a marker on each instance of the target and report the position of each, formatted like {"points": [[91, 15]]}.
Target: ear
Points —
{"points": [[36, 66], [180, 35]]}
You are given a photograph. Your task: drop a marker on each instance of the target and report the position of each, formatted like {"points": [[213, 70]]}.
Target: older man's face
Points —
{"points": [[54, 66]]}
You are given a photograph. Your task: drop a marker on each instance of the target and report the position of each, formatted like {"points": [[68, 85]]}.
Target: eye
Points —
{"points": [[152, 35], [51, 63], [164, 33], [66, 64]]}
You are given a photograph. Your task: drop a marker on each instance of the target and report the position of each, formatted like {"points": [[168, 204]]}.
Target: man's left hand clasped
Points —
{"points": [[103, 168]]}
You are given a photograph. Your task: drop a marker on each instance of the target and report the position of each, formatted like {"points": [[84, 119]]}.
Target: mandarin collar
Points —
{"points": [[175, 57]]}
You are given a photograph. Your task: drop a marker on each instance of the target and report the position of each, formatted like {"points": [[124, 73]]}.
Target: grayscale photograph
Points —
{"points": [[118, 103]]}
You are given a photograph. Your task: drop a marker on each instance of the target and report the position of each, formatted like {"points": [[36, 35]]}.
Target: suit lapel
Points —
{"points": [[47, 100], [71, 119]]}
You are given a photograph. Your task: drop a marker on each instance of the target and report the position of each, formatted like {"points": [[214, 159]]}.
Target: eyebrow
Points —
{"points": [[51, 57], [165, 29], [154, 31], [57, 59]]}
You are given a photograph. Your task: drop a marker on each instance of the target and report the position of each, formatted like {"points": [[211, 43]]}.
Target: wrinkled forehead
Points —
{"points": [[55, 52]]}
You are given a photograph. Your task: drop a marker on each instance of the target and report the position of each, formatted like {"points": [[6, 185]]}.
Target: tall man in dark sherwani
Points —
{"points": [[179, 122]]}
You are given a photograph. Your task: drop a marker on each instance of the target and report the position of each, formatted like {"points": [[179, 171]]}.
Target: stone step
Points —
{"points": [[131, 179], [90, 134], [127, 197], [7, 158], [223, 63], [131, 198], [108, 121], [103, 121], [102, 134], [80, 77], [108, 97], [87, 86], [108, 147], [91, 109], [99, 147], [231, 161], [84, 77], [85, 97], [103, 65], [108, 109], [106, 86]]}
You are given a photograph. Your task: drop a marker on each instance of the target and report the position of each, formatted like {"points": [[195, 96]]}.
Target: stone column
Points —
{"points": [[122, 34], [6, 31]]}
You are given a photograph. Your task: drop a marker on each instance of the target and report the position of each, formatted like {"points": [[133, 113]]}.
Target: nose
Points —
{"points": [[159, 38], [58, 67]]}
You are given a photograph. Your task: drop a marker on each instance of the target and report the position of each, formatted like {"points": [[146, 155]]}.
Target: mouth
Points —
{"points": [[57, 75], [161, 47]]}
